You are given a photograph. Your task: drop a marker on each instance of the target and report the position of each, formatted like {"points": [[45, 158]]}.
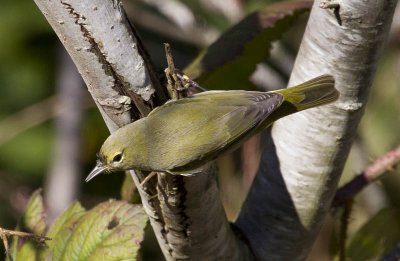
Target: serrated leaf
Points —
{"points": [[61, 231], [378, 236], [113, 230], [34, 218], [67, 219], [33, 221], [229, 62]]}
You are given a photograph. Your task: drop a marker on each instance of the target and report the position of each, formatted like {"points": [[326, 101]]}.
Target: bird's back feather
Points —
{"points": [[202, 127]]}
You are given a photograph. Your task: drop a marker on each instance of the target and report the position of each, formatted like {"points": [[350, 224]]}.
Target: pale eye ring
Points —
{"points": [[117, 157]]}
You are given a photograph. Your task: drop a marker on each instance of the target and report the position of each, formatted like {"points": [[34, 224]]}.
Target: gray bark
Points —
{"points": [[195, 223], [187, 215], [100, 41], [305, 156]]}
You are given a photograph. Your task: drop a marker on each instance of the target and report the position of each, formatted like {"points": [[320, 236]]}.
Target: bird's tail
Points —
{"points": [[315, 92]]}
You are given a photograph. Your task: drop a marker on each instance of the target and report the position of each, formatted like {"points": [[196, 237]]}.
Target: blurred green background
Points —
{"points": [[32, 60]]}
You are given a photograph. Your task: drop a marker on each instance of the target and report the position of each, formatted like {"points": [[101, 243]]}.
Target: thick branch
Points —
{"points": [[118, 74], [301, 167], [110, 59], [192, 232]]}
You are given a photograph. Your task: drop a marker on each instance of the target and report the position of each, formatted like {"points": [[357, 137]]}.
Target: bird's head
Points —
{"points": [[110, 158]]}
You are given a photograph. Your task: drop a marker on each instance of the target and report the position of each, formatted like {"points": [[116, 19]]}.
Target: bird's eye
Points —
{"points": [[117, 157]]}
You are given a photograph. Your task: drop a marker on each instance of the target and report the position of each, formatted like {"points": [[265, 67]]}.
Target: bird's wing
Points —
{"points": [[200, 128], [243, 117]]}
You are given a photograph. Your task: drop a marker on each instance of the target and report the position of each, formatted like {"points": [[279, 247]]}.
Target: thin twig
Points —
{"points": [[5, 233], [170, 59], [376, 170], [169, 72], [177, 82], [5, 242]]}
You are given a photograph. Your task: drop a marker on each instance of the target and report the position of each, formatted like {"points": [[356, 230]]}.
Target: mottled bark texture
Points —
{"points": [[185, 212], [305, 156]]}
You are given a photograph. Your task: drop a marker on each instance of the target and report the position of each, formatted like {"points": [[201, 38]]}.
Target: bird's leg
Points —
{"points": [[147, 178], [191, 86]]}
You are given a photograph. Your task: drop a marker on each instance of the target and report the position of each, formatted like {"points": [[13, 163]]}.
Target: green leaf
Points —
{"points": [[34, 218], [33, 221], [67, 219], [229, 62], [378, 236], [61, 231], [113, 230]]}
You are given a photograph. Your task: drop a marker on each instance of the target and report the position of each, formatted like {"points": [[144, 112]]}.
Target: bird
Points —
{"points": [[182, 136]]}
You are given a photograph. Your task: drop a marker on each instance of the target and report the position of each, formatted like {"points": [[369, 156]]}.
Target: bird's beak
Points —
{"points": [[96, 171]]}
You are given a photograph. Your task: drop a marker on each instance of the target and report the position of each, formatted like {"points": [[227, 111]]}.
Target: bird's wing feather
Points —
{"points": [[210, 123]]}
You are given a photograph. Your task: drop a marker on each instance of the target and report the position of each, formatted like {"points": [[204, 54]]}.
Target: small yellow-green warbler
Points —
{"points": [[183, 135]]}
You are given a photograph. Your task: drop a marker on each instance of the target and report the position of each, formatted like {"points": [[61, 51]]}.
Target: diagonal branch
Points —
{"points": [[380, 166], [186, 215]]}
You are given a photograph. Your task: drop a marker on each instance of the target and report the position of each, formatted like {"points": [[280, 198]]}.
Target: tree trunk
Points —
{"points": [[187, 216], [305, 156]]}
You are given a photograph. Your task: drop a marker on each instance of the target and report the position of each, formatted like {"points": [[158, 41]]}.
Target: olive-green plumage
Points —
{"points": [[182, 135]]}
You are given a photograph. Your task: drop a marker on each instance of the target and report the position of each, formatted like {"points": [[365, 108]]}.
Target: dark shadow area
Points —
{"points": [[272, 220]]}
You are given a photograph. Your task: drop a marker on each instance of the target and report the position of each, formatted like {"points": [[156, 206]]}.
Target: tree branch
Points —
{"points": [[377, 169], [186, 215], [304, 158], [110, 59], [195, 221]]}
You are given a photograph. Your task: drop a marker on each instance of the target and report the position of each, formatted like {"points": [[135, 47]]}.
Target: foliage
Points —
{"points": [[379, 235], [243, 46], [113, 230], [33, 221]]}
